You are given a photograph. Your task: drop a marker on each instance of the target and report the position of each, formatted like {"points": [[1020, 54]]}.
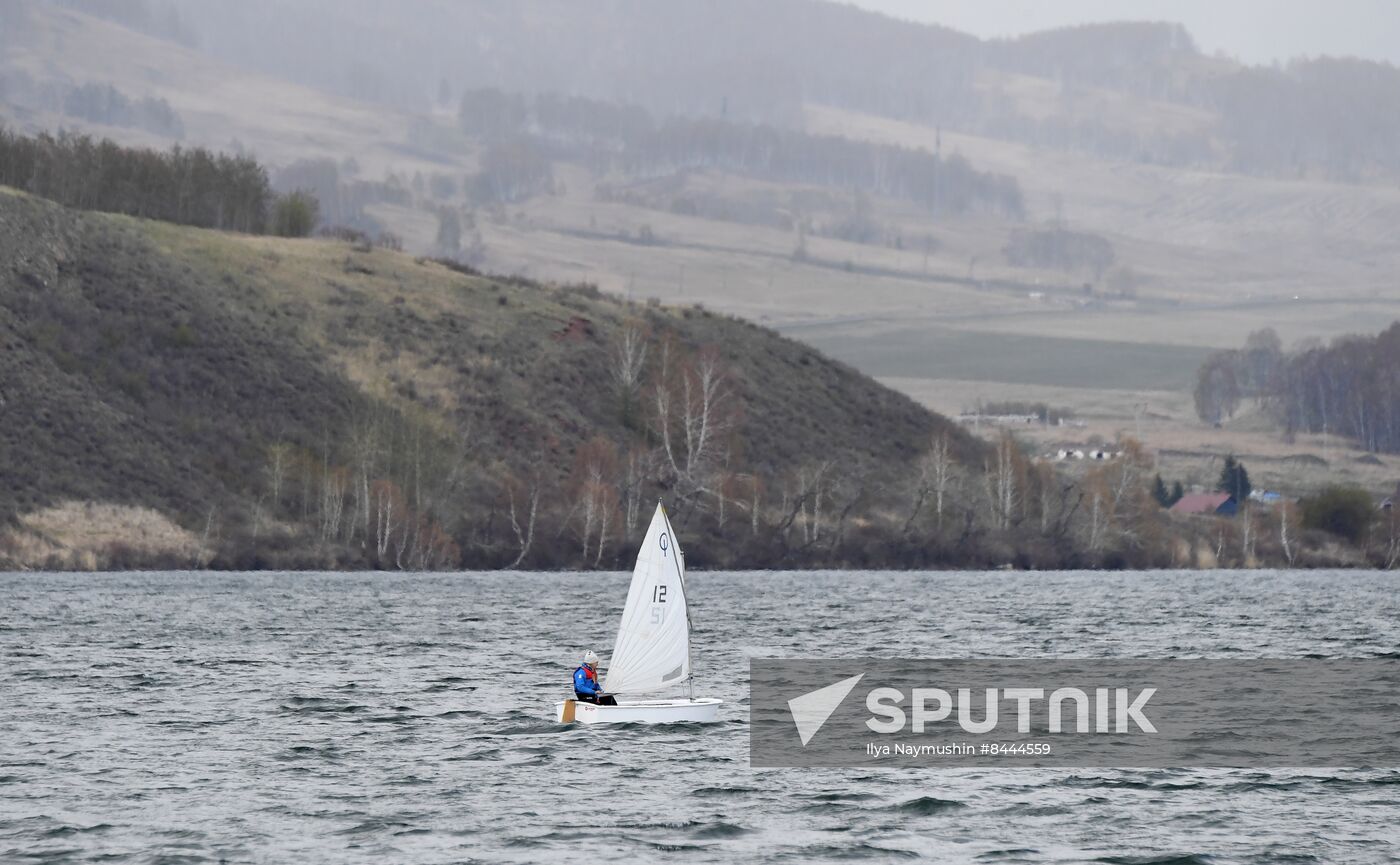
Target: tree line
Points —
{"points": [[1349, 388], [627, 138], [189, 186], [103, 103]]}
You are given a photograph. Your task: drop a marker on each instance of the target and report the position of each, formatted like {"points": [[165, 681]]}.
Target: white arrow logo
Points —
{"points": [[811, 710]]}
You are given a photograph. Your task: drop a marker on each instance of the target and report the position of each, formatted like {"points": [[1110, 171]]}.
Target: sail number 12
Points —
{"points": [[658, 596]]}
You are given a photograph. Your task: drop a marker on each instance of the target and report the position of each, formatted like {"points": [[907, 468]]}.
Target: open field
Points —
{"points": [[921, 352], [1185, 449]]}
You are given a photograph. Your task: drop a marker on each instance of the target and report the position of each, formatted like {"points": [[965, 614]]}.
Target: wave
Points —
{"points": [[1013, 853], [853, 851], [699, 791], [926, 806], [1171, 858], [719, 830]]}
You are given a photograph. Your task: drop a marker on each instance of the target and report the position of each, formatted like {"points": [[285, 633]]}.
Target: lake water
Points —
{"points": [[174, 717]]}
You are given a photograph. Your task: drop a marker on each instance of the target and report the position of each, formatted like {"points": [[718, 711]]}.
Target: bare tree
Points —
{"points": [[1125, 476], [705, 391], [628, 359], [389, 518], [207, 541], [334, 483], [364, 450], [691, 399], [1287, 528], [595, 499], [755, 492], [278, 462], [1097, 519], [941, 473], [1392, 544], [935, 473], [526, 498], [812, 484], [635, 470], [1002, 488], [606, 505], [1042, 482], [1246, 535]]}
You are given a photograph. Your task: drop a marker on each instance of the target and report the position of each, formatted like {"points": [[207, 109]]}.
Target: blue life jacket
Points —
{"points": [[586, 681]]}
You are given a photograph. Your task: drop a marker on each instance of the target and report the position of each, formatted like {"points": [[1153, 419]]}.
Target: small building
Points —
{"points": [[1210, 504], [1267, 498]]}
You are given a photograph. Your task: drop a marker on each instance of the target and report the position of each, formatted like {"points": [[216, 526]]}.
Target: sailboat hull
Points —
{"points": [[704, 710]]}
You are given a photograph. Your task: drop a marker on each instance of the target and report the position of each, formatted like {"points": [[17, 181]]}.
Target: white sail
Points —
{"points": [[653, 641]]}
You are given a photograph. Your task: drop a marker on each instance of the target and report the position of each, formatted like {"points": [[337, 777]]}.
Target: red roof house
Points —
{"points": [[1213, 504]]}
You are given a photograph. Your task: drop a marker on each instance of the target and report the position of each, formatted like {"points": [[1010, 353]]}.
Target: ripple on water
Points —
{"points": [[835, 852], [925, 806], [716, 792], [718, 830], [1011, 854], [355, 718], [1169, 858]]}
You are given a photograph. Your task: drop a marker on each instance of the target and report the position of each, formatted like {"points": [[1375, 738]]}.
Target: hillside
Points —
{"points": [[1080, 216], [232, 383], [1199, 246]]}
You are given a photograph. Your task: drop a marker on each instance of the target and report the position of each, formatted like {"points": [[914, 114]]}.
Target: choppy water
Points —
{"points": [[405, 718]]}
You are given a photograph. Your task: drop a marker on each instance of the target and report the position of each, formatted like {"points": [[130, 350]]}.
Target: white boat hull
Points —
{"points": [[704, 710]]}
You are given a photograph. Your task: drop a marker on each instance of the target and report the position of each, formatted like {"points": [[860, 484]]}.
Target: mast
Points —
{"points": [[680, 571]]}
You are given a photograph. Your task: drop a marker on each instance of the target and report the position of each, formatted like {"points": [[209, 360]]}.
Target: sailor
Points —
{"points": [[586, 687]]}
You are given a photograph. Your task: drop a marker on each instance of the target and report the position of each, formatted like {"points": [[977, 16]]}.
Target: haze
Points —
{"points": [[1255, 31]]}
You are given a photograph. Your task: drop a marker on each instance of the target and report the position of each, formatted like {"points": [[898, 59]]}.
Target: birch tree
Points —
{"points": [[636, 467], [1246, 534], [595, 498], [693, 415], [1391, 516], [935, 474], [627, 360], [1288, 530], [523, 504], [279, 458], [1003, 491]]}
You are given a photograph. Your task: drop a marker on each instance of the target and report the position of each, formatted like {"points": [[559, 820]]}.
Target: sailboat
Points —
{"points": [[652, 651]]}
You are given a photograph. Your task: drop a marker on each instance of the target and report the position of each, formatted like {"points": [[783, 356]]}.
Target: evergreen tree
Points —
{"points": [[1160, 493], [1234, 479], [1177, 492]]}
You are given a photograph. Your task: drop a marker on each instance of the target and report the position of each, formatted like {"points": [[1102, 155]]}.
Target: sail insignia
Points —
{"points": [[653, 638]]}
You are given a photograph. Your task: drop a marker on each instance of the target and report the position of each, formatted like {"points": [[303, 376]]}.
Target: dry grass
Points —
{"points": [[83, 535], [1185, 449]]}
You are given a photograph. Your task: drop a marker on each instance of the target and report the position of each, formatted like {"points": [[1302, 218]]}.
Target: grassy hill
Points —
{"points": [[232, 383], [1201, 177]]}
